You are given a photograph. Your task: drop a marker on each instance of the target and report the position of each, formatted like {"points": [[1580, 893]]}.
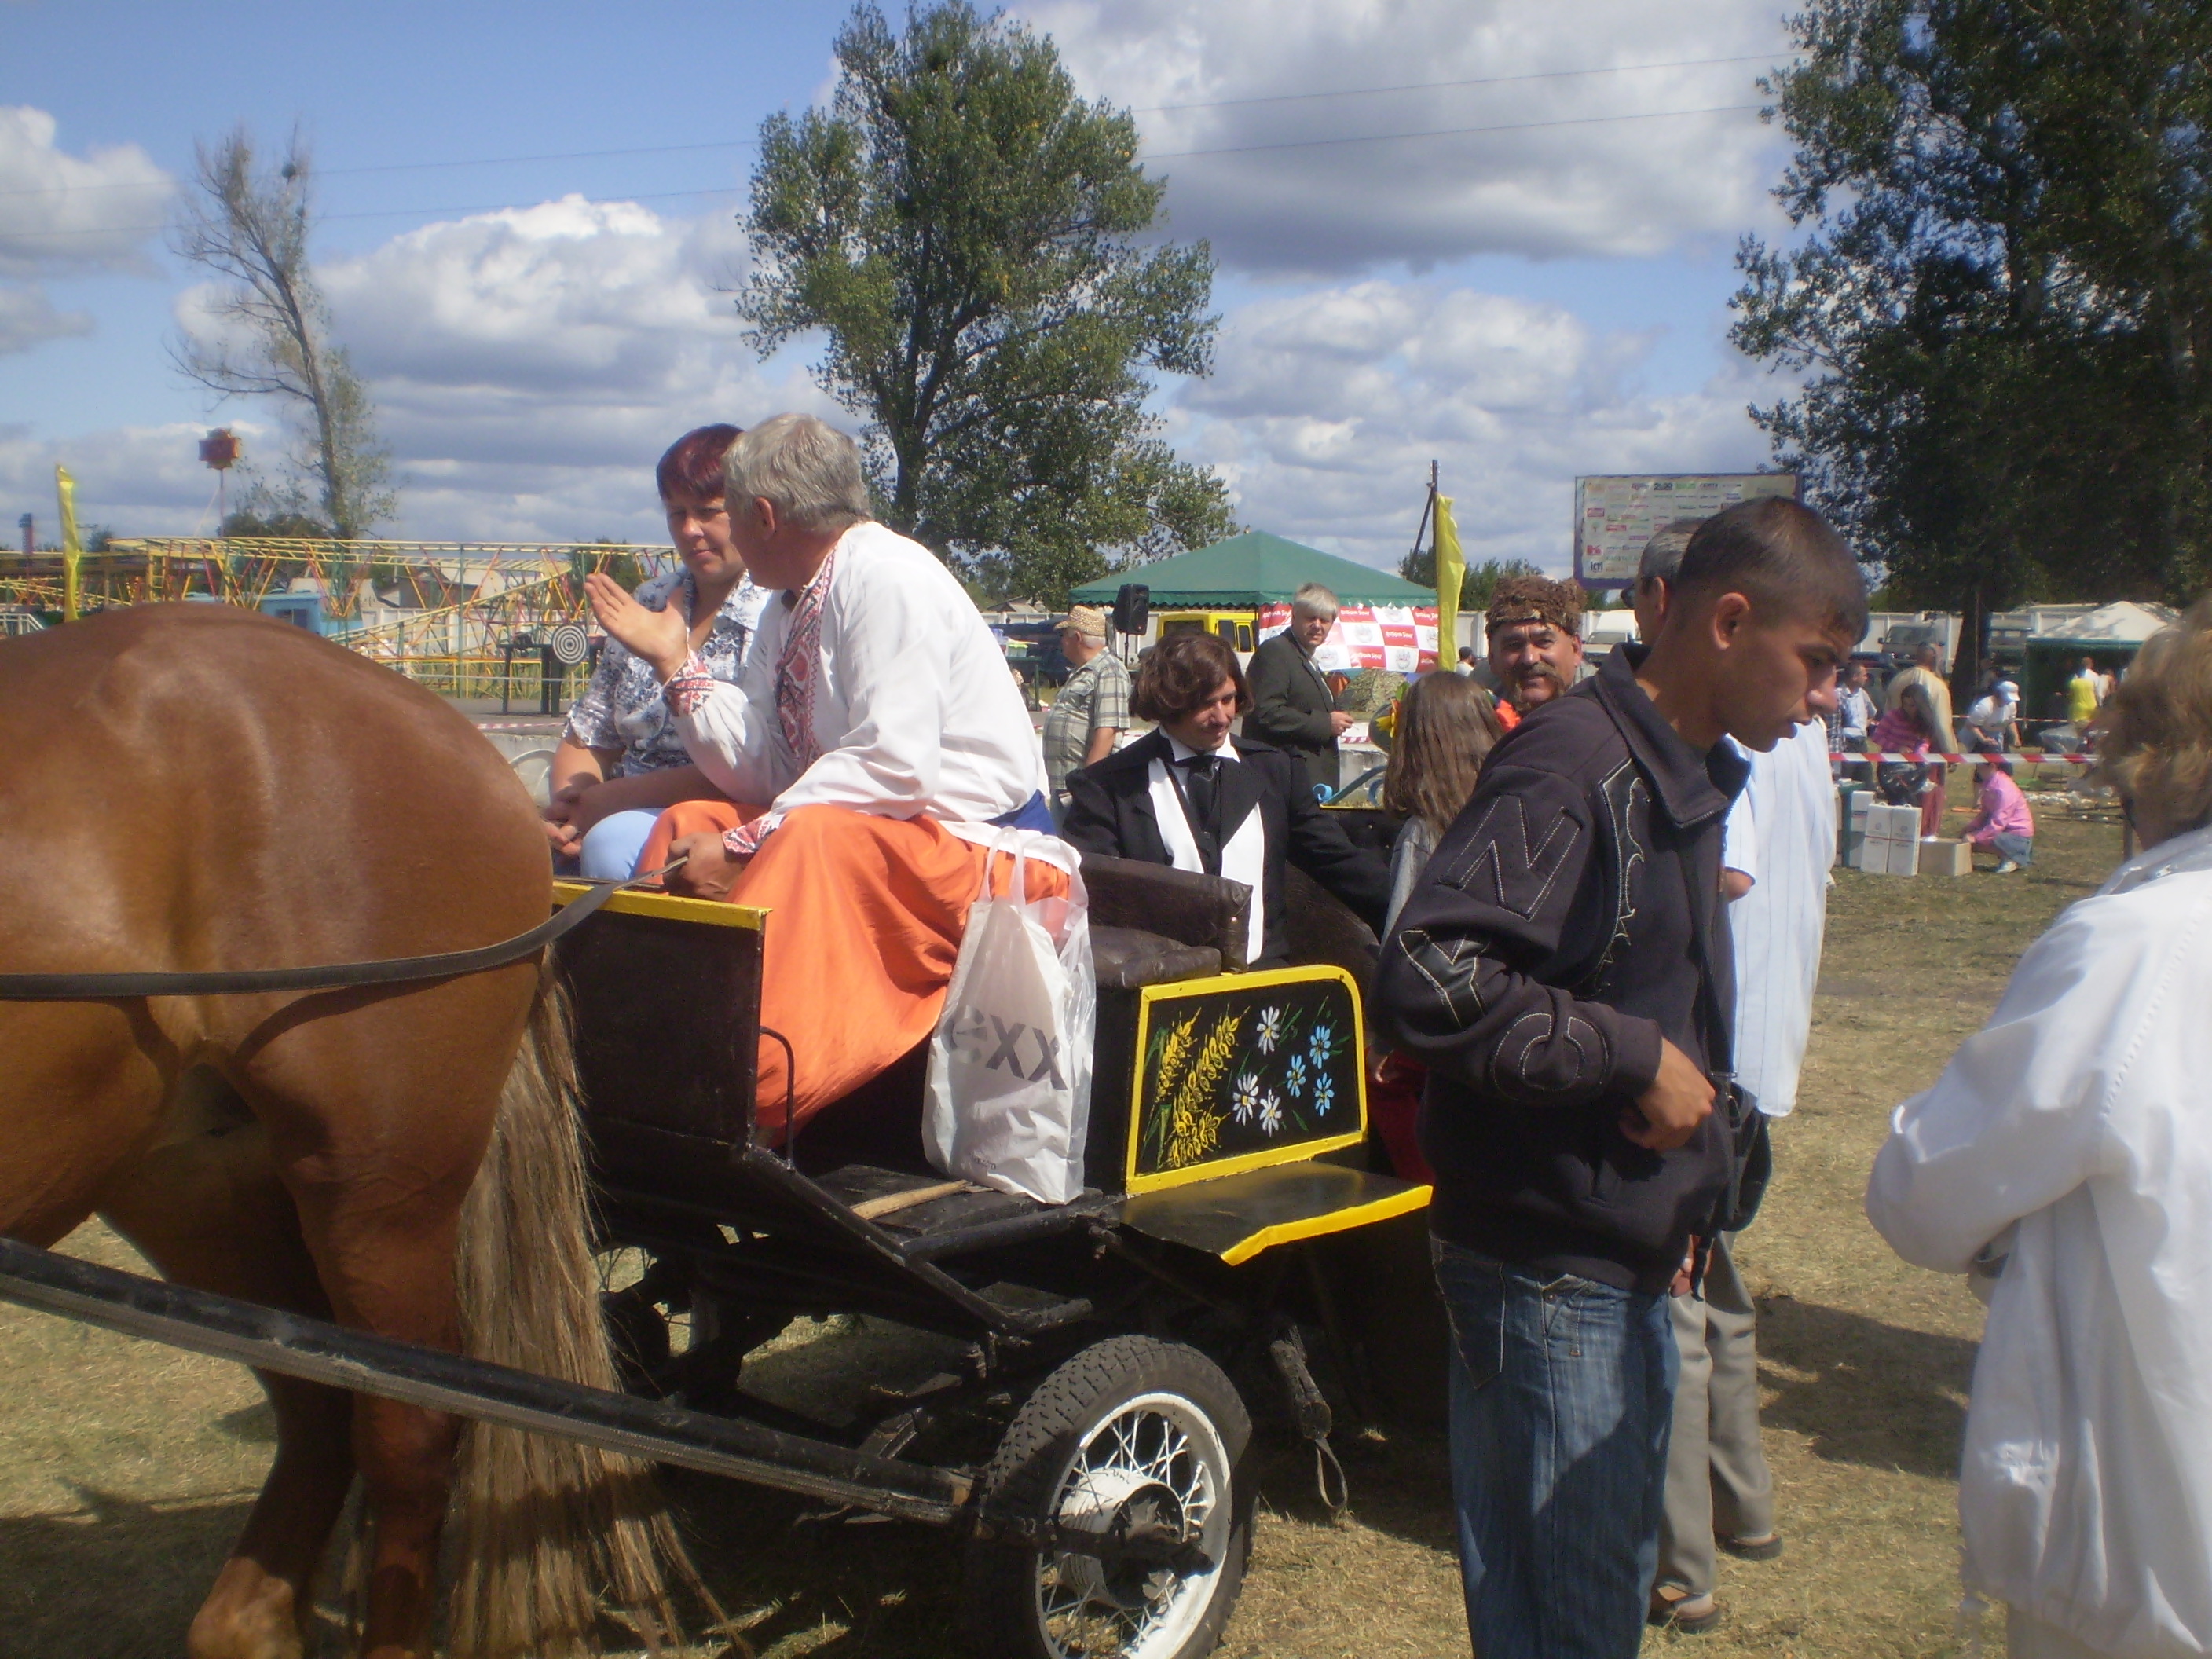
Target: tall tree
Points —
{"points": [[251, 230], [964, 230], [1476, 586], [2002, 302]]}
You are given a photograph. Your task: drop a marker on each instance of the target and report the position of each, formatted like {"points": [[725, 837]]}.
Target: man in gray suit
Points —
{"points": [[1292, 707]]}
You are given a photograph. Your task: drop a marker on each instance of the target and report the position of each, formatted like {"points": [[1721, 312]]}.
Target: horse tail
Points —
{"points": [[551, 1534]]}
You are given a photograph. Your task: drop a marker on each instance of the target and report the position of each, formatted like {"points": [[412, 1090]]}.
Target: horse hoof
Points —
{"points": [[248, 1615]]}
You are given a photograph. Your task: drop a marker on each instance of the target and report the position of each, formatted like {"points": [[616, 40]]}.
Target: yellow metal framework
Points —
{"points": [[458, 603]]}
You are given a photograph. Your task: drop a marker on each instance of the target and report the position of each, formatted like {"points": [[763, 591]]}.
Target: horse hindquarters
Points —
{"points": [[548, 1526]]}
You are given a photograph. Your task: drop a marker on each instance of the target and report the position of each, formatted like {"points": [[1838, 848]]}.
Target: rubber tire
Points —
{"points": [[997, 1583]]}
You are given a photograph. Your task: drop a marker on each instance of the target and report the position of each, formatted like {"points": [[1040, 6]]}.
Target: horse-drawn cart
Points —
{"points": [[1105, 1359]]}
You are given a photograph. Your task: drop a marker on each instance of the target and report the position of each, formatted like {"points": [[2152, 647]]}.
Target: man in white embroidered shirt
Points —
{"points": [[870, 745]]}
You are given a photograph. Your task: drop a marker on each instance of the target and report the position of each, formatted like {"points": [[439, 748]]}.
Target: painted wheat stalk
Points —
{"points": [[1193, 1129], [1174, 1051]]}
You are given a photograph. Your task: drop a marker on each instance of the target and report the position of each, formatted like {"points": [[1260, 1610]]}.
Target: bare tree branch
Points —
{"points": [[251, 231]]}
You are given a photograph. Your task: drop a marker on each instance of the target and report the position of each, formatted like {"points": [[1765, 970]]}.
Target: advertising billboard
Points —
{"points": [[1615, 515], [1401, 639]]}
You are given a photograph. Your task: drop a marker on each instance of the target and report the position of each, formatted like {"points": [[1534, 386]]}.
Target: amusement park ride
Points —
{"points": [[458, 616]]}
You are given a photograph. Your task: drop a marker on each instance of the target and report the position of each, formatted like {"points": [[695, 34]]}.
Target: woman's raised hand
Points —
{"points": [[658, 636]]}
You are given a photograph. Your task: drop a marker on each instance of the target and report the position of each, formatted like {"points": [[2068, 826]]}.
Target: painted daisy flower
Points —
{"points": [[1271, 1112], [1296, 1082], [1271, 1030], [1244, 1099], [1319, 1046], [1324, 1092]]}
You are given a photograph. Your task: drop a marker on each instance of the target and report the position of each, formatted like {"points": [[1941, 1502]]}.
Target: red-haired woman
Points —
{"points": [[621, 760]]}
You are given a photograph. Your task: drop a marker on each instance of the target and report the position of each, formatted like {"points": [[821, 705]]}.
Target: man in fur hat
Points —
{"points": [[1534, 625]]}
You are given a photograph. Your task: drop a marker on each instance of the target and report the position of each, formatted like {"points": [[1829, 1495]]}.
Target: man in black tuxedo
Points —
{"points": [[1191, 796], [1292, 707]]}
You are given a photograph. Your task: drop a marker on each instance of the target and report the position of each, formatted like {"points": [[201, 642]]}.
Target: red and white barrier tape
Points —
{"points": [[2033, 754]]}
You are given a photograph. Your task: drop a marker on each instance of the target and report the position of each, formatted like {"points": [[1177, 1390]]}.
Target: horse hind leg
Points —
{"points": [[378, 1114], [204, 1203]]}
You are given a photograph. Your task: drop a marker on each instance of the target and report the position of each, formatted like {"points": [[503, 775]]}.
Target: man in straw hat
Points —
{"points": [[1091, 710]]}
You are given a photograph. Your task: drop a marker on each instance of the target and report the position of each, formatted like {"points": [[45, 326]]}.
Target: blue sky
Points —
{"points": [[1539, 299]]}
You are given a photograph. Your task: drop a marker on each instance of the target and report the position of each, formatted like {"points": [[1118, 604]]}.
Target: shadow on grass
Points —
{"points": [[1864, 1392], [119, 1580], [844, 1588], [847, 1589]]}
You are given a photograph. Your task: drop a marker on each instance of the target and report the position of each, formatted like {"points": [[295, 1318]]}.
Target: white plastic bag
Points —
{"points": [[1009, 1097]]}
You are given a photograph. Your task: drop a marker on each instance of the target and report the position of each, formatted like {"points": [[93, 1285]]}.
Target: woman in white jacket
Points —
{"points": [[2068, 1147]]}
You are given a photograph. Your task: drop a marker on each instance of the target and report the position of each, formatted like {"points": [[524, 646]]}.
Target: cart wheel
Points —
{"points": [[1130, 1438]]}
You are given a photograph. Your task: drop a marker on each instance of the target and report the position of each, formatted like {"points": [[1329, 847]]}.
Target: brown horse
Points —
{"points": [[192, 788]]}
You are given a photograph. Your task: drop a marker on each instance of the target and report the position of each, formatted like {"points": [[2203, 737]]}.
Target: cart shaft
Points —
{"points": [[270, 1339]]}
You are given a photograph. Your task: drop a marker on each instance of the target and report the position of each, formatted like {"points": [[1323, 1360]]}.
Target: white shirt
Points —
{"points": [[1243, 844], [2080, 1114], [914, 709], [1857, 708], [1781, 833], [1992, 713]]}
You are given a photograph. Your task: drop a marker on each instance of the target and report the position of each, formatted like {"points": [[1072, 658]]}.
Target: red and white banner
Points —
{"points": [[1399, 638]]}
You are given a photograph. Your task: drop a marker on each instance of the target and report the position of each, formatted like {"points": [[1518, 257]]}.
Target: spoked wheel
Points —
{"points": [[1136, 1443]]}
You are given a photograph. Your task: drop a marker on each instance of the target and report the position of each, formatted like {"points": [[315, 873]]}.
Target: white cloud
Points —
{"points": [[62, 213], [529, 365], [1598, 184], [1326, 407], [27, 318]]}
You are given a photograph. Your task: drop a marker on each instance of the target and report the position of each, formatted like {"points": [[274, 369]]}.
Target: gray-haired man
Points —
{"points": [[1292, 706]]}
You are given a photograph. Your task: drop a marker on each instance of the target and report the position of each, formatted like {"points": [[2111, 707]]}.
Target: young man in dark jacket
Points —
{"points": [[1564, 971]]}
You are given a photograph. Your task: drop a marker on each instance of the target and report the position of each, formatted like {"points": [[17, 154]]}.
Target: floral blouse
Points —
{"points": [[622, 706]]}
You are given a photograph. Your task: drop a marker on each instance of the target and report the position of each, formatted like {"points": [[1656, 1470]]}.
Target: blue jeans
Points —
{"points": [[612, 846], [2020, 849], [1562, 1395]]}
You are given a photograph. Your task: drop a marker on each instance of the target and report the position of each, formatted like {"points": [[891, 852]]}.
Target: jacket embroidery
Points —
{"points": [[1627, 800], [1518, 869]]}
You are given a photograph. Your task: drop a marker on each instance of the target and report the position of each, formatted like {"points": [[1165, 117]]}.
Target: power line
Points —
{"points": [[1448, 132], [406, 213], [1166, 155], [1150, 109], [1429, 85]]}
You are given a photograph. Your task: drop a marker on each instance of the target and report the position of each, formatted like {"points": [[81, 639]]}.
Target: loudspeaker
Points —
{"points": [[1133, 608]]}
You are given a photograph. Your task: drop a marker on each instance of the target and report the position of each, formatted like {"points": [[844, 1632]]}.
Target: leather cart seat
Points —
{"points": [[1127, 958], [1153, 901]]}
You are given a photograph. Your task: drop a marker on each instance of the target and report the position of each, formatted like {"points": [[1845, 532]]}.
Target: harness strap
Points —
{"points": [[336, 977]]}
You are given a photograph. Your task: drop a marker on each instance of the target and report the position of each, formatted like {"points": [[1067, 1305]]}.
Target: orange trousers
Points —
{"points": [[867, 914]]}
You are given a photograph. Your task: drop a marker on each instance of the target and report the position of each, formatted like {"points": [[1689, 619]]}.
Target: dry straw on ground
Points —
{"points": [[125, 1469]]}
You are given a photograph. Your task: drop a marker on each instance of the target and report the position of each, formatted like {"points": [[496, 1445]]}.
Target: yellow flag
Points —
{"points": [[1451, 570], [72, 548]]}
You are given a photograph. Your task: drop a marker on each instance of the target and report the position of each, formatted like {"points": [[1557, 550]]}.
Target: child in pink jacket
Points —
{"points": [[2001, 823]]}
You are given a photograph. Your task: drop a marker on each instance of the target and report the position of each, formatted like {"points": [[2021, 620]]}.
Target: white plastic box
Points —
{"points": [[1892, 847]]}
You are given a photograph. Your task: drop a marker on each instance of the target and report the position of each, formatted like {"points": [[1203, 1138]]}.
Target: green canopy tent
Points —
{"points": [[1253, 570]]}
